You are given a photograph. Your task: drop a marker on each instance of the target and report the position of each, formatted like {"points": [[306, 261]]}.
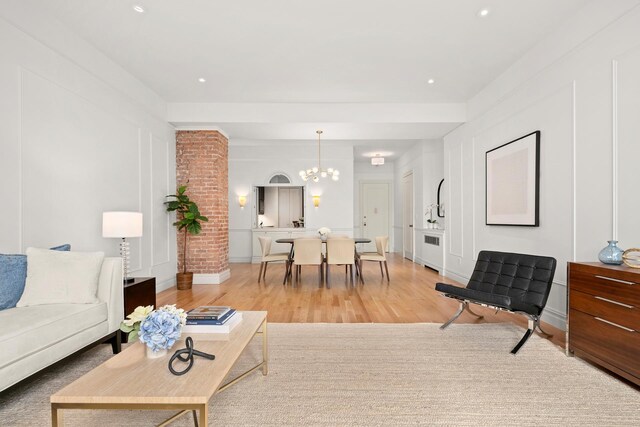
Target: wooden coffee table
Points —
{"points": [[130, 380]]}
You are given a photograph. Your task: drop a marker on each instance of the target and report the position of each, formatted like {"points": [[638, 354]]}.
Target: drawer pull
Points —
{"points": [[615, 324], [614, 302], [615, 280]]}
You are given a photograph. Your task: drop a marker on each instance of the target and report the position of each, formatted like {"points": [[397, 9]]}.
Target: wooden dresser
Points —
{"points": [[604, 316]]}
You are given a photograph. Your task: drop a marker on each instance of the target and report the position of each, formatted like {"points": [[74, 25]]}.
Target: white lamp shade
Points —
{"points": [[121, 224]]}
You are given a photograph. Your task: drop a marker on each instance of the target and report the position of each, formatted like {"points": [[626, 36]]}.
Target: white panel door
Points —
{"points": [[374, 202], [407, 214]]}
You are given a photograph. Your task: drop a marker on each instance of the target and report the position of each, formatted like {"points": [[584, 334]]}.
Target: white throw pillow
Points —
{"points": [[55, 277]]}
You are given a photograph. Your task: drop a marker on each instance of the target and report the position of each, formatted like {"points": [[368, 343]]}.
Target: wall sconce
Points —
{"points": [[316, 201], [242, 200]]}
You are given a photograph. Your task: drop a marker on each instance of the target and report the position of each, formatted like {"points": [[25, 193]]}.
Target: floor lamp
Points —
{"points": [[121, 225]]}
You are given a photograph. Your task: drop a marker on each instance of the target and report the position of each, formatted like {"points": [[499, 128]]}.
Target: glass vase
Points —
{"points": [[155, 354], [612, 254]]}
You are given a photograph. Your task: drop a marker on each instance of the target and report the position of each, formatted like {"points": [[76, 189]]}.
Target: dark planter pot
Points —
{"points": [[184, 281]]}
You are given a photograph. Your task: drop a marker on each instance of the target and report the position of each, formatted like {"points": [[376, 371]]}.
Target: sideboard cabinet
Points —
{"points": [[604, 317]]}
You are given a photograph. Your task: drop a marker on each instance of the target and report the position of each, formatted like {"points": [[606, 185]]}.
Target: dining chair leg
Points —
{"points": [[264, 273], [260, 273], [386, 267], [321, 274], [361, 273], [351, 275], [286, 272], [326, 274], [381, 272]]}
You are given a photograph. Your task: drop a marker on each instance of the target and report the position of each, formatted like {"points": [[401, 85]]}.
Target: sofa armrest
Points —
{"points": [[111, 291]]}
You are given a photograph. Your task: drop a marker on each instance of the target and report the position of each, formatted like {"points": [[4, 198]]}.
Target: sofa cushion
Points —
{"points": [[27, 330], [61, 277], [13, 273]]}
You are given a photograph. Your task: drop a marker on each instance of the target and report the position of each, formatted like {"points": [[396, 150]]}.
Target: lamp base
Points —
{"points": [[128, 279]]}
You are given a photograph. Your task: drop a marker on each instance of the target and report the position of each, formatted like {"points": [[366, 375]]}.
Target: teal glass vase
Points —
{"points": [[612, 254]]}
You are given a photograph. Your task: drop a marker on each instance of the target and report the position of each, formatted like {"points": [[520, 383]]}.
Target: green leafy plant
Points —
{"points": [[188, 218]]}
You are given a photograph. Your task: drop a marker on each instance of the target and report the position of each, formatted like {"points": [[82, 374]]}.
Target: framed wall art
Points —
{"points": [[512, 179]]}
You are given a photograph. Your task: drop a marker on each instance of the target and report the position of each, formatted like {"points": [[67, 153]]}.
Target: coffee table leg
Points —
{"points": [[204, 416], [56, 416], [265, 349]]}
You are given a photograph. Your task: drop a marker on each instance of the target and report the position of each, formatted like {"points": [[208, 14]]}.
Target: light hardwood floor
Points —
{"points": [[409, 297]]}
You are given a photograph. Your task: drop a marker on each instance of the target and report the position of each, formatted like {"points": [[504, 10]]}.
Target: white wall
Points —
{"points": [[79, 136], [425, 161], [580, 87], [252, 163]]}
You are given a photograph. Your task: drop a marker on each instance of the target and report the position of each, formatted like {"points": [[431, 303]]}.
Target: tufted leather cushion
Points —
{"points": [[517, 282]]}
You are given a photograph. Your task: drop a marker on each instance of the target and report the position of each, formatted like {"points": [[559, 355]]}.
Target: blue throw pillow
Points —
{"points": [[13, 275]]}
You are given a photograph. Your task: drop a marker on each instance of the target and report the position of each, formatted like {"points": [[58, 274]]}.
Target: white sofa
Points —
{"points": [[32, 338]]}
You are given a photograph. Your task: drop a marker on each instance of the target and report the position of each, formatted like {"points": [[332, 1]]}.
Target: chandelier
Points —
{"points": [[315, 173]]}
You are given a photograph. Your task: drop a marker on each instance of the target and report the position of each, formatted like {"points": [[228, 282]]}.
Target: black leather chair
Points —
{"points": [[503, 281]]}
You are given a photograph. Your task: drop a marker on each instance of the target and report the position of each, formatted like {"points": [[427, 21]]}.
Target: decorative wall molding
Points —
{"points": [[614, 148], [450, 201], [474, 148]]}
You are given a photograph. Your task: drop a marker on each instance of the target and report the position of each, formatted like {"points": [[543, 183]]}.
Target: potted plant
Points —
{"points": [[188, 219], [431, 223]]}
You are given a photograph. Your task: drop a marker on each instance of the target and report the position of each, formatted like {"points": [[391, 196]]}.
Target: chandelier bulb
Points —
{"points": [[315, 178]]}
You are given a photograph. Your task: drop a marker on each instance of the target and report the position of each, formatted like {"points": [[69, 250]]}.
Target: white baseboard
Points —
{"points": [[165, 284], [431, 265], [240, 260], [211, 279], [456, 276], [554, 317]]}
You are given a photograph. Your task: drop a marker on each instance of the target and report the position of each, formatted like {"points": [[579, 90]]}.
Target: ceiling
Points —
{"points": [[330, 53], [320, 51]]}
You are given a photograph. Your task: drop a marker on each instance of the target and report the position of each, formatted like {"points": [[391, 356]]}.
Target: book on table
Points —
{"points": [[204, 327], [211, 312], [219, 321]]}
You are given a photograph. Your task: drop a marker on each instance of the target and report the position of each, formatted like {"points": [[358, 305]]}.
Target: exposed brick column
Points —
{"points": [[202, 159]]}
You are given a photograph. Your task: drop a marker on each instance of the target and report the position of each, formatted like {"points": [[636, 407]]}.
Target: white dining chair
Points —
{"points": [[378, 256], [267, 256], [307, 251], [341, 251]]}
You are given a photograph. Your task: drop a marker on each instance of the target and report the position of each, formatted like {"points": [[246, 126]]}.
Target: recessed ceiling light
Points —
{"points": [[483, 12], [138, 8], [431, 81], [202, 80]]}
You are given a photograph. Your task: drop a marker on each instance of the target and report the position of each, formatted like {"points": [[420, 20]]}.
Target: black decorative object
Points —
{"points": [[190, 352], [440, 210], [512, 179]]}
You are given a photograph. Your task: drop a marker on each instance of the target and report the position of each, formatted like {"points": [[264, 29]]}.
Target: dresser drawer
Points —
{"points": [[606, 308], [606, 283], [613, 344]]}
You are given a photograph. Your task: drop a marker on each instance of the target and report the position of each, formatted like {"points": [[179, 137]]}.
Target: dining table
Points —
{"points": [[289, 240]]}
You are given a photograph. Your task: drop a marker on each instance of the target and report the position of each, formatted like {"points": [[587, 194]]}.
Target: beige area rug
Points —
{"points": [[382, 374]]}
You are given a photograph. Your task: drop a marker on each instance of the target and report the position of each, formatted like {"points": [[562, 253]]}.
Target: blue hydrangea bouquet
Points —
{"points": [[158, 329]]}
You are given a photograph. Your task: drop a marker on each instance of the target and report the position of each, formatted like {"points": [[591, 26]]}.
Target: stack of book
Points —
{"points": [[209, 319]]}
